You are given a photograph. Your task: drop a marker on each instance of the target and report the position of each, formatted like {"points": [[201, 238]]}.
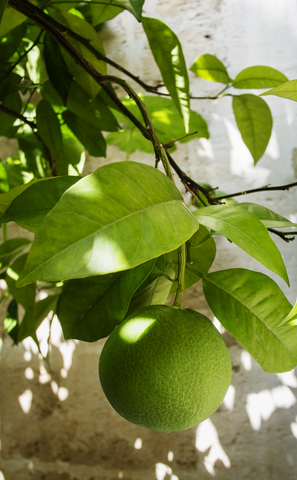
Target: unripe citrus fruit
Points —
{"points": [[165, 368]]}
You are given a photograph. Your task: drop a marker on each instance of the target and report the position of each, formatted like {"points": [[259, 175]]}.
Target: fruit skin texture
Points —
{"points": [[165, 368]]}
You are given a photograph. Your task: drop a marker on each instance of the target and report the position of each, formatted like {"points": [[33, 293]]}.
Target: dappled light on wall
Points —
{"points": [[260, 406], [207, 439]]}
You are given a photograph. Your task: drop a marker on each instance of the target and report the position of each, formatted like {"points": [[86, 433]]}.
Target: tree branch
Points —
{"points": [[283, 235]]}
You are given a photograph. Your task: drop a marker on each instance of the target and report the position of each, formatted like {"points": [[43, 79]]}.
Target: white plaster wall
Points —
{"points": [[58, 425]]}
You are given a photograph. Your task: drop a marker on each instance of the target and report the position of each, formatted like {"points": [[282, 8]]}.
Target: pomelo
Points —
{"points": [[165, 368]]}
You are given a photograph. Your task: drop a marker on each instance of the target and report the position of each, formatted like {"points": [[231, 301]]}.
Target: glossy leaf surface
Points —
{"points": [[118, 217], [245, 230], [169, 57], [254, 121], [251, 306]]}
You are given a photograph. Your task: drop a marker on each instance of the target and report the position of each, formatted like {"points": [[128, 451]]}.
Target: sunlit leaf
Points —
{"points": [[245, 230], [269, 218], [169, 57], [286, 90], [254, 121], [11, 19], [259, 77], [251, 306], [210, 68], [116, 218]]}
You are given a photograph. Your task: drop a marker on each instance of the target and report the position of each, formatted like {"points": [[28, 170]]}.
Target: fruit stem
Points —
{"points": [[182, 258]]}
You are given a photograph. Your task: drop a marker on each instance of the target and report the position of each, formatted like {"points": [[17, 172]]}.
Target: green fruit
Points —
{"points": [[165, 368]]}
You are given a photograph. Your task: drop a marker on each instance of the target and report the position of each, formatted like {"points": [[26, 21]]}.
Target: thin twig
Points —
{"points": [[261, 189], [282, 235]]}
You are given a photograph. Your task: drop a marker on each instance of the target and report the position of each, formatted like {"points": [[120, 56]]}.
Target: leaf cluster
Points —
{"points": [[108, 243]]}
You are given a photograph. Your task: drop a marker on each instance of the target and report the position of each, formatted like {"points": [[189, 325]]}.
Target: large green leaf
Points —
{"points": [[251, 306], [269, 218], [83, 28], [33, 204], [245, 230], [116, 218], [91, 307], [211, 68], [169, 57], [286, 90], [259, 77], [254, 121]]}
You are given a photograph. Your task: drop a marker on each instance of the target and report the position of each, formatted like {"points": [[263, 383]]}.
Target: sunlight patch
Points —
{"points": [[25, 400], [207, 438]]}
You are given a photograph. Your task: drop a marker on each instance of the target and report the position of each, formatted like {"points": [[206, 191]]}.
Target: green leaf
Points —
{"points": [[87, 134], [291, 318], [49, 127], [9, 84], [7, 197], [259, 77], [83, 28], [35, 315], [14, 103], [245, 230], [4, 185], [103, 13], [95, 114], [210, 68], [116, 218], [169, 57], [254, 121], [11, 19], [11, 248], [24, 295], [33, 204], [286, 90], [269, 218], [166, 120], [91, 307], [251, 306], [2, 8], [56, 67]]}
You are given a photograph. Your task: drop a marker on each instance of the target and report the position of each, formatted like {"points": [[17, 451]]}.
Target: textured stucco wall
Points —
{"points": [[58, 425]]}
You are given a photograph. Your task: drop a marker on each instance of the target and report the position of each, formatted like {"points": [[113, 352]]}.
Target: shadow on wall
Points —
{"points": [[59, 425]]}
